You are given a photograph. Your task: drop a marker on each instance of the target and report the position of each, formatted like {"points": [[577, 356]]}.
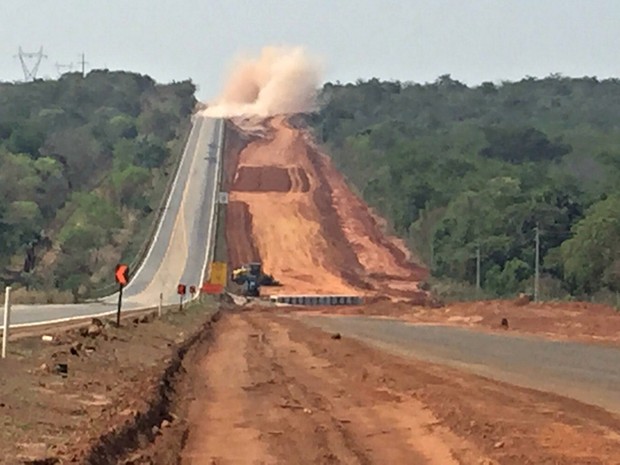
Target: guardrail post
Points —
{"points": [[161, 303], [7, 320]]}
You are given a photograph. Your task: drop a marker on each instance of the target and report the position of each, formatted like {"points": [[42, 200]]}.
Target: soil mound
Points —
{"points": [[291, 209]]}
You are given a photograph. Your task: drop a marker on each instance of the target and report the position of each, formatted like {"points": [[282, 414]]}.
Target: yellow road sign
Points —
{"points": [[218, 273]]}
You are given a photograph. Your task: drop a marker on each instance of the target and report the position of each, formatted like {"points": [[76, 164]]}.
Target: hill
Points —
{"points": [[458, 169], [84, 163]]}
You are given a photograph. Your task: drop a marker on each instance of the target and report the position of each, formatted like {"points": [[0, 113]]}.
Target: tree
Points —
{"points": [[130, 186], [591, 259], [509, 279], [18, 177], [151, 152], [68, 149], [456, 168], [53, 190], [26, 137], [79, 152], [521, 145], [158, 123]]}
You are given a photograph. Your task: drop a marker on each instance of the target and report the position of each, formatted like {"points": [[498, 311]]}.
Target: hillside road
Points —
{"points": [[179, 250]]}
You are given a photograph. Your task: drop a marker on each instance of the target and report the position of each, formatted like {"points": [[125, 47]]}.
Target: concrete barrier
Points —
{"points": [[317, 299]]}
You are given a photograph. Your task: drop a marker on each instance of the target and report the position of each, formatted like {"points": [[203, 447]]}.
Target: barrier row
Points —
{"points": [[317, 299]]}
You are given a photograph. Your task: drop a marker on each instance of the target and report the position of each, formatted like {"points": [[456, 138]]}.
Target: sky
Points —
{"points": [[408, 40]]}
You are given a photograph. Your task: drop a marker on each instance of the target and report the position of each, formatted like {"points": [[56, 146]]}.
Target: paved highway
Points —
{"points": [[179, 251], [586, 372]]}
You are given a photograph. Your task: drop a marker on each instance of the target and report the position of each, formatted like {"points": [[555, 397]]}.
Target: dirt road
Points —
{"points": [[273, 391]]}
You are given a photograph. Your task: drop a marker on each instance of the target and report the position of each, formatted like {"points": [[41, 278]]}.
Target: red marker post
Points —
{"points": [[122, 278], [181, 290]]}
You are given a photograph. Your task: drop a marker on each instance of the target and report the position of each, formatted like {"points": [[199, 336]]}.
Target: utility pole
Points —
{"points": [[537, 265], [478, 269], [83, 63]]}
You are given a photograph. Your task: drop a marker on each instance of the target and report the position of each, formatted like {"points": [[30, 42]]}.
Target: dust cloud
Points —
{"points": [[281, 80]]}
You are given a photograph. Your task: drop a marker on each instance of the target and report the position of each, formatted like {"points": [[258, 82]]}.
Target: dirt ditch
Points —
{"points": [[240, 244], [91, 395], [144, 427], [258, 179]]}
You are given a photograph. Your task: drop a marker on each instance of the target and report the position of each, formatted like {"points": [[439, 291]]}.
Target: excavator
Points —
{"points": [[251, 277]]}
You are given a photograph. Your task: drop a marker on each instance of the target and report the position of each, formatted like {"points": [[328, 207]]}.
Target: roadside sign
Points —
{"points": [[209, 288], [223, 198], [192, 290], [121, 274], [181, 290], [218, 273]]}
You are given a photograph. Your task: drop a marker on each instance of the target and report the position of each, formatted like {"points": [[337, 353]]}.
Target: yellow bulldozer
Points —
{"points": [[251, 277]]}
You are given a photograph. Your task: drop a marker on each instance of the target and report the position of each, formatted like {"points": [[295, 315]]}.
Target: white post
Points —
{"points": [[161, 302], [478, 269], [537, 266], [7, 319]]}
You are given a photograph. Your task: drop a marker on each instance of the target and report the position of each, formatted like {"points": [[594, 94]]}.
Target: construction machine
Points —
{"points": [[248, 276], [251, 277]]}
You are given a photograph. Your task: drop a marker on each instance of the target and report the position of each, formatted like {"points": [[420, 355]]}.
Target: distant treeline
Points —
{"points": [[83, 164], [456, 169]]}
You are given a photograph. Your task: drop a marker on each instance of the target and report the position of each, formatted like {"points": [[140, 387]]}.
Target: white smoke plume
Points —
{"points": [[282, 80]]}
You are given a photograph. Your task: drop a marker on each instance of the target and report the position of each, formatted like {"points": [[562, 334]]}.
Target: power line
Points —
{"points": [[63, 68]]}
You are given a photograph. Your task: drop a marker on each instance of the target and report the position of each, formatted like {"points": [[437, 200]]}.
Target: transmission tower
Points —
{"points": [[32, 58], [63, 68]]}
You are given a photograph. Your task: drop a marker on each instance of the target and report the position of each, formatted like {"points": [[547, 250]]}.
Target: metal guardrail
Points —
{"points": [[317, 299]]}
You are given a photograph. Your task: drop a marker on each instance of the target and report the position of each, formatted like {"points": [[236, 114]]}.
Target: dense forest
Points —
{"points": [[84, 163], [464, 170]]}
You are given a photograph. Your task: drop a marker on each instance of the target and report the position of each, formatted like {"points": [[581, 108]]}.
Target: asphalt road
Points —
{"points": [[178, 253], [588, 373]]}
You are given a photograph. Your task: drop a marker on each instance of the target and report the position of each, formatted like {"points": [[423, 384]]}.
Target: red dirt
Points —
{"points": [[112, 390], [242, 250], [326, 240], [315, 236], [271, 179], [272, 390]]}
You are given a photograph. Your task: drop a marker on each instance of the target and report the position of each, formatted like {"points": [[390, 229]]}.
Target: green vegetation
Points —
{"points": [[457, 168], [84, 162]]}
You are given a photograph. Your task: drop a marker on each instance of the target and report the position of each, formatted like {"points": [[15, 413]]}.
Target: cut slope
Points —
{"points": [[307, 227]]}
